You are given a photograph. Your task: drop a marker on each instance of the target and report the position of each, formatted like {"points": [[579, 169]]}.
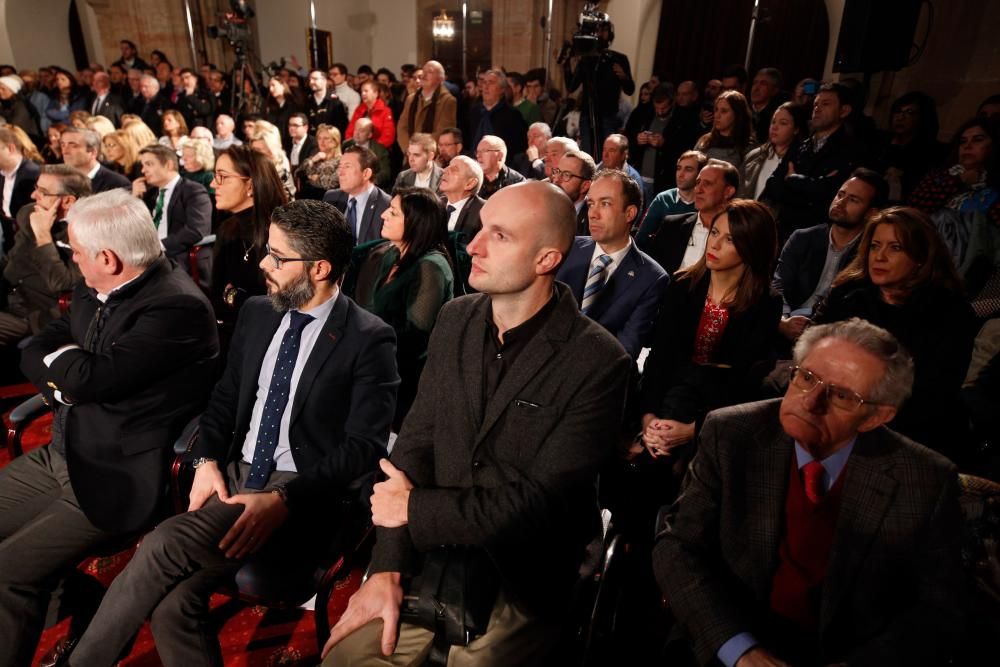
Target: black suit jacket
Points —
{"points": [[507, 123], [466, 228], [105, 180], [309, 148], [343, 404], [111, 108], [800, 265], [331, 112], [370, 227], [514, 474], [680, 135], [197, 108], [24, 183], [188, 218], [893, 589], [668, 243], [132, 395], [151, 111]]}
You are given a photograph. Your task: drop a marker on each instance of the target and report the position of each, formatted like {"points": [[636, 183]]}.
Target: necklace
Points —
{"points": [[247, 248]]}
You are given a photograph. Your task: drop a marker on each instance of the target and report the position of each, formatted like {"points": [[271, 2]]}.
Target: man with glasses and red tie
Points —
{"points": [[301, 412], [807, 533]]}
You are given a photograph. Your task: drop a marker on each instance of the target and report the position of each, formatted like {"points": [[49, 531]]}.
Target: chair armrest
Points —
{"points": [[181, 467], [20, 418]]}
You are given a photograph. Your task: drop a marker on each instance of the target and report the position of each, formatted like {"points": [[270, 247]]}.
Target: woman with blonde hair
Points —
{"points": [[121, 152], [266, 140], [101, 125], [175, 129], [26, 145], [319, 172], [79, 119], [141, 135]]}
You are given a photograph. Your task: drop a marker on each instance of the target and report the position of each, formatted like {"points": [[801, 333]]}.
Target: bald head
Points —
{"points": [[433, 75], [545, 209], [362, 130]]}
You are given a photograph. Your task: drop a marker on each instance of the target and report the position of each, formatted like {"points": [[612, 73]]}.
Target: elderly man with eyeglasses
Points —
{"points": [[491, 154], [807, 533]]}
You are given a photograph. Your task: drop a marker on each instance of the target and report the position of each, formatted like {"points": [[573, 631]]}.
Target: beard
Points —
{"points": [[294, 295]]}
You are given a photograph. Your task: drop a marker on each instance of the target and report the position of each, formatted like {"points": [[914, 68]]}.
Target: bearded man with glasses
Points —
{"points": [[806, 532]]}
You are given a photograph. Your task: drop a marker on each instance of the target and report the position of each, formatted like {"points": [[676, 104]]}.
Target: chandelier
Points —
{"points": [[444, 27]]}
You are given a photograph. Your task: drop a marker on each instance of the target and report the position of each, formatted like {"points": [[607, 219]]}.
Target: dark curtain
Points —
{"points": [[697, 40]]}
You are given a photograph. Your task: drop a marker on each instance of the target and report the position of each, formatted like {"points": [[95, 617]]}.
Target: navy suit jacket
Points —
{"points": [[370, 228], [628, 304], [800, 265]]}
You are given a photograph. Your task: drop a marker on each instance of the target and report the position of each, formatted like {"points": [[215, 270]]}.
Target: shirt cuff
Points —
{"points": [[52, 356], [734, 649]]}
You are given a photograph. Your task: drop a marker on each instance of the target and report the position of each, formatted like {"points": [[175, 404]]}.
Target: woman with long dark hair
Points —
{"points": [[246, 186], [65, 97], [731, 135], [405, 278], [280, 106], [789, 124], [904, 281], [910, 148]]}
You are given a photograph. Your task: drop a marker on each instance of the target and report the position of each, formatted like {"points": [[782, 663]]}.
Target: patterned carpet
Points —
{"points": [[250, 635]]}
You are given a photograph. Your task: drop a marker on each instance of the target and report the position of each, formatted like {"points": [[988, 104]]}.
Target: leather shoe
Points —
{"points": [[58, 655]]}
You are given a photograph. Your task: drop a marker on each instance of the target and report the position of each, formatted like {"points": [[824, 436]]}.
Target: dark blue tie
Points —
{"points": [[352, 217], [277, 399]]}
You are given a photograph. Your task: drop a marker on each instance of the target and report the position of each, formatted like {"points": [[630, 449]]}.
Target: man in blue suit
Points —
{"points": [[616, 284]]}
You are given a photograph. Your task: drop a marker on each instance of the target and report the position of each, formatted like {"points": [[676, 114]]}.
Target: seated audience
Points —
{"points": [[676, 200], [374, 109], [198, 162], [175, 129], [269, 464], [225, 133], [121, 154], [789, 122], [18, 175], [533, 474], [492, 115], [80, 149], [279, 107], [491, 153], [266, 140], [318, 173], [362, 138], [65, 97], [246, 186], [616, 284], [301, 143], [531, 163], [153, 103], [732, 133], [144, 371], [812, 171], [814, 256], [765, 98], [904, 281], [449, 144], [910, 149], [405, 278], [757, 565], [555, 148], [428, 110], [424, 171], [38, 267], [52, 151], [15, 108], [358, 198], [678, 242], [614, 155], [105, 103], [459, 187]]}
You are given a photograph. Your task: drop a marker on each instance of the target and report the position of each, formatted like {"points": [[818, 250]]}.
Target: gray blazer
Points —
{"points": [[514, 475], [407, 178], [893, 587]]}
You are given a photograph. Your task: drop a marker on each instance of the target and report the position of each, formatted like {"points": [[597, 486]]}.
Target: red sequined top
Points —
{"points": [[710, 327]]}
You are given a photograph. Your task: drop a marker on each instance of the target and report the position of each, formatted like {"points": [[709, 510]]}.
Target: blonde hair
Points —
{"points": [[333, 132], [269, 134], [202, 151], [26, 145], [129, 149], [141, 135], [101, 125]]}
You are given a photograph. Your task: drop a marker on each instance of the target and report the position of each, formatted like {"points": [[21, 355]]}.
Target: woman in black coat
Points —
{"points": [[904, 281]]}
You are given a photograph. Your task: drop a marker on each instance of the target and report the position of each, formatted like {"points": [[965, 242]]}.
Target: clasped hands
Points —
{"points": [[660, 436]]}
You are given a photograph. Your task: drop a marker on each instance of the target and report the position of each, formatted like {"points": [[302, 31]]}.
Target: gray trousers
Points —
{"points": [[43, 534], [169, 580]]}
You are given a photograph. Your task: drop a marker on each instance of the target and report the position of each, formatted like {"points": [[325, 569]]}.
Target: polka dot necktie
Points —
{"points": [[277, 399], [812, 479]]}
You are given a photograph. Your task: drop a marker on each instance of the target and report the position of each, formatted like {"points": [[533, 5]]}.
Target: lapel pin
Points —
{"points": [[631, 274]]}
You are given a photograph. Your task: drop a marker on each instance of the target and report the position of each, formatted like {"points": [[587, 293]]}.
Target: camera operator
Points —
{"points": [[603, 73]]}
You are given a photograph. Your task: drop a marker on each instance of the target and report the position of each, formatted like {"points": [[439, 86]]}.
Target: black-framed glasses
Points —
{"points": [[839, 397], [278, 261], [221, 177], [560, 174], [43, 193]]}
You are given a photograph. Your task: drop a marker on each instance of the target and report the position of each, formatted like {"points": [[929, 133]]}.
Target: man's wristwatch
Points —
{"points": [[199, 462]]}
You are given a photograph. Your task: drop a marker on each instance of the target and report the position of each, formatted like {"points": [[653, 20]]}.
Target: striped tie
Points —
{"points": [[595, 282]]}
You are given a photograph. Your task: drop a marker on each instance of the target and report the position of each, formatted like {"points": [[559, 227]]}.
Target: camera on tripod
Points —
{"points": [[594, 34], [233, 25]]}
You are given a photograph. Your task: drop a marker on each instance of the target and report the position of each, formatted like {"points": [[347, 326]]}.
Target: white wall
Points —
{"points": [[35, 33], [374, 32], [637, 24]]}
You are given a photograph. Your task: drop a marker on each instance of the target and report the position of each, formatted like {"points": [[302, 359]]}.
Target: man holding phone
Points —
{"points": [[659, 140], [39, 267]]}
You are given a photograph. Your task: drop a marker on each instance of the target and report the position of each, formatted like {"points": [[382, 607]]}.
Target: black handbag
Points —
{"points": [[453, 595]]}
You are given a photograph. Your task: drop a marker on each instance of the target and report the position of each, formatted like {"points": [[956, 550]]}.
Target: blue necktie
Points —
{"points": [[595, 282], [277, 399], [352, 216]]}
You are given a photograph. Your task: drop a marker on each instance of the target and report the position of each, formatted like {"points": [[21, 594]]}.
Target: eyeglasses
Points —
{"points": [[559, 174], [221, 177], [279, 261], [839, 397], [43, 193]]}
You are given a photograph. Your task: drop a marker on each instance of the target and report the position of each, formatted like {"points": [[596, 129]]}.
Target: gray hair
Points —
{"points": [[91, 139], [474, 169], [567, 143], [151, 78], [544, 127], [497, 142], [74, 182], [116, 221], [499, 74], [895, 384]]}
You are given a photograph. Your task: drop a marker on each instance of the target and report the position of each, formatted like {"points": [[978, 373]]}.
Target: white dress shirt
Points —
{"points": [[453, 217], [8, 188], [696, 244]]}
